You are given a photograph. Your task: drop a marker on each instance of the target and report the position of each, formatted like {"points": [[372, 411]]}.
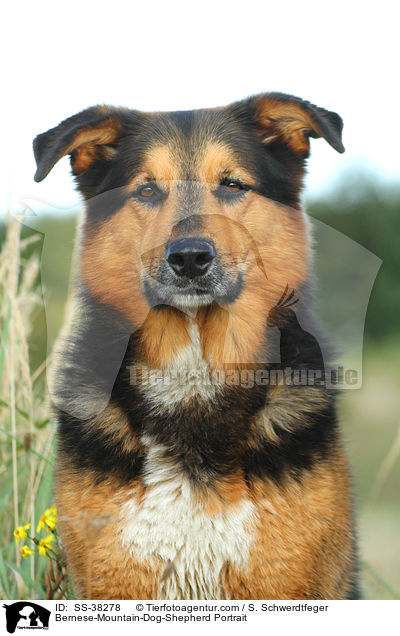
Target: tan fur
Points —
{"points": [[301, 548], [89, 523], [219, 161], [288, 120], [85, 147], [159, 164], [112, 422], [162, 335], [288, 408]]}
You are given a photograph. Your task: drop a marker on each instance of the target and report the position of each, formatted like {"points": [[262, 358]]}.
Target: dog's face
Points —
{"points": [[192, 209]]}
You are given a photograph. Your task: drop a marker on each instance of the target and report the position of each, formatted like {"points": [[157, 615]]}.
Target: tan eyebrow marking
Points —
{"points": [[220, 161]]}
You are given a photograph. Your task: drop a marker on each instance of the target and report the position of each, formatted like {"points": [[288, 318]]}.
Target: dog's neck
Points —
{"points": [[225, 337]]}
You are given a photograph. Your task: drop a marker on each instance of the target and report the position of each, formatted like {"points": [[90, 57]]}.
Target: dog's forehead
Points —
{"points": [[191, 125], [199, 145]]}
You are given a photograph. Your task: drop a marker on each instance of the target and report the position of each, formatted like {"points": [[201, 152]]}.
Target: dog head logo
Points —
{"points": [[26, 615]]}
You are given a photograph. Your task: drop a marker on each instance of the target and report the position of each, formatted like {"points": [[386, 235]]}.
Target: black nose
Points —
{"points": [[190, 257]]}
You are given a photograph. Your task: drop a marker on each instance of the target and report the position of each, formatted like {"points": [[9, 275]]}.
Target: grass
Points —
{"points": [[26, 431], [369, 420], [370, 424]]}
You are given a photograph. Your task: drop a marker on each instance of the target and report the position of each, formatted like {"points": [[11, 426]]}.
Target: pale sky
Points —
{"points": [[61, 57]]}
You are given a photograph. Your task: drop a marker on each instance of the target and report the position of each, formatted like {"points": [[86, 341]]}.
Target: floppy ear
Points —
{"points": [[89, 136], [280, 117]]}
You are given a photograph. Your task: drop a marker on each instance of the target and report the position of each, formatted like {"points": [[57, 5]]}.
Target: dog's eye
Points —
{"points": [[149, 193], [230, 190], [231, 185], [146, 191]]}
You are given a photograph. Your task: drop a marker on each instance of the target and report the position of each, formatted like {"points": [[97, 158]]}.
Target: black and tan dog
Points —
{"points": [[183, 471]]}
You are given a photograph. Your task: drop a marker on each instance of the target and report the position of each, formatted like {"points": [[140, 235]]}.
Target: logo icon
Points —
{"points": [[26, 615]]}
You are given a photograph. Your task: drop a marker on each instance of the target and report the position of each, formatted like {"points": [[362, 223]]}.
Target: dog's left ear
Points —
{"points": [[280, 117]]}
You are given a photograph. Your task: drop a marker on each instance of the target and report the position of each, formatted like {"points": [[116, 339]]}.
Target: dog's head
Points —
{"points": [[192, 209]]}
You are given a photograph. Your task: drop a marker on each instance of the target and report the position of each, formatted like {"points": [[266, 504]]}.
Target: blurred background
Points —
{"points": [[172, 58]]}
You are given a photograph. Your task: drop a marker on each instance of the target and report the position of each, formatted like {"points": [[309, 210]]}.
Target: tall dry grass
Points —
{"points": [[26, 431]]}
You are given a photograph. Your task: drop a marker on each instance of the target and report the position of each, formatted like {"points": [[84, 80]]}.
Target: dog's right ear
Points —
{"points": [[89, 137]]}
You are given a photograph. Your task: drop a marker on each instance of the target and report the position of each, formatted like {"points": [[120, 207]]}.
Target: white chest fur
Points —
{"points": [[193, 544], [186, 376]]}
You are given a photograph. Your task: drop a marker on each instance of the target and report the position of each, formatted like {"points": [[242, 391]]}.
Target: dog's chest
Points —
{"points": [[194, 545], [187, 376]]}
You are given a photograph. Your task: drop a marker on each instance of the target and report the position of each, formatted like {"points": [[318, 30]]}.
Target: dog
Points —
{"points": [[188, 466]]}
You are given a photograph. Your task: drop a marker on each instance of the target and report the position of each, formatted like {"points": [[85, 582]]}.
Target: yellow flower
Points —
{"points": [[49, 519], [20, 532], [25, 551], [45, 544]]}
